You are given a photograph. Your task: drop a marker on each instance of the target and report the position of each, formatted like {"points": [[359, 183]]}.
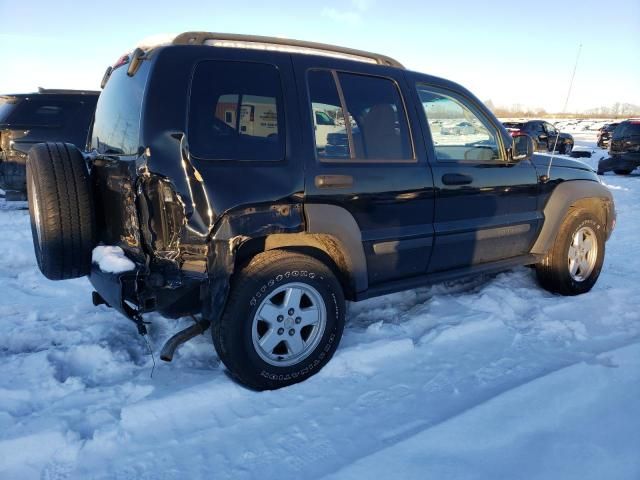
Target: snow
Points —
{"points": [[580, 431], [111, 259], [491, 377]]}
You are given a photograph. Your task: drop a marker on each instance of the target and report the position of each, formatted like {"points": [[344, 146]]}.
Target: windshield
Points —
{"points": [[513, 125], [7, 105]]}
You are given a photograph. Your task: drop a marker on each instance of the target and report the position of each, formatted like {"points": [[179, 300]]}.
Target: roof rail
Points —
{"points": [[282, 44], [76, 92]]}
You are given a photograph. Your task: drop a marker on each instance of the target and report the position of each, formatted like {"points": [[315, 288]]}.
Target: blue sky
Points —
{"points": [[507, 51]]}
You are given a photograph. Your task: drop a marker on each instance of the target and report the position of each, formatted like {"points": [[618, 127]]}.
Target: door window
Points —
{"points": [[537, 129], [379, 123], [551, 131], [236, 112], [331, 137], [358, 118], [457, 131]]}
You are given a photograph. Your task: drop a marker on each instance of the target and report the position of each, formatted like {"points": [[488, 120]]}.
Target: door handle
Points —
{"points": [[456, 179], [334, 181]]}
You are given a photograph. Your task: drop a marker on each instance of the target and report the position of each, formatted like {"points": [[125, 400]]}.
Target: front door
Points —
{"points": [[552, 136], [366, 156], [486, 206], [540, 136]]}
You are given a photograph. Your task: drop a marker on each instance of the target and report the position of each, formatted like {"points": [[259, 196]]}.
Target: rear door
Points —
{"points": [[486, 206], [370, 160]]}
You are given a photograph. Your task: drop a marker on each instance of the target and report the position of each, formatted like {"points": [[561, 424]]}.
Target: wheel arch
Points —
{"points": [[331, 235], [586, 194]]}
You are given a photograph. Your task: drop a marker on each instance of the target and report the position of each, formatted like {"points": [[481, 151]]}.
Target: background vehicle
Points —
{"points": [[326, 122], [624, 149], [28, 119], [266, 235], [604, 134], [544, 135]]}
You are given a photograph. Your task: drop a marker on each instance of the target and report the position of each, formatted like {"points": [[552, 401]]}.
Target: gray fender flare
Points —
{"points": [[340, 224], [563, 197]]}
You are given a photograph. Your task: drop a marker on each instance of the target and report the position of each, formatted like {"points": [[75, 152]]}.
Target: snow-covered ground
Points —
{"points": [[484, 379]]}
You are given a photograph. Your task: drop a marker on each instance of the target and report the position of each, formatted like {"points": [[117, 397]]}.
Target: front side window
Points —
{"points": [[537, 128], [458, 133], [236, 112], [366, 121], [550, 129]]}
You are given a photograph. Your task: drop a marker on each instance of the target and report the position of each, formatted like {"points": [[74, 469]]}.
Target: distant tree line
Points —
{"points": [[617, 110]]}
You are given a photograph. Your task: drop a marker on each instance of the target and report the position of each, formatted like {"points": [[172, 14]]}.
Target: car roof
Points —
{"points": [[52, 92], [286, 45]]}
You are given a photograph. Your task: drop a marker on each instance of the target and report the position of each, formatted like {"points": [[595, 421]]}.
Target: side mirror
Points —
{"points": [[522, 148]]}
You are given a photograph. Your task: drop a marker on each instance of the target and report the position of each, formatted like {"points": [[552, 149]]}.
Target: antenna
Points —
{"points": [[564, 110]]}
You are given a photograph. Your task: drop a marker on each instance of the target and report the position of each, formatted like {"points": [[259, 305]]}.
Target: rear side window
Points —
{"points": [[116, 128], [368, 121], [624, 129], [630, 128], [236, 112]]}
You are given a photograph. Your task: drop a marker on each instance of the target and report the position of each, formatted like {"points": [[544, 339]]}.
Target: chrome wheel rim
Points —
{"points": [[36, 213], [583, 254], [288, 324]]}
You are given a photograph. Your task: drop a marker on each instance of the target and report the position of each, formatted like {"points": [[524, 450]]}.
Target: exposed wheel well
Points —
{"points": [[325, 248]]}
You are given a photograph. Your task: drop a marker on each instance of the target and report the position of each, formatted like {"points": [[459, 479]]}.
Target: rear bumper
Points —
{"points": [[627, 161], [117, 288], [13, 172]]}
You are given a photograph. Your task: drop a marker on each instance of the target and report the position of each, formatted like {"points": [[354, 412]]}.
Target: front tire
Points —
{"points": [[283, 320], [573, 264]]}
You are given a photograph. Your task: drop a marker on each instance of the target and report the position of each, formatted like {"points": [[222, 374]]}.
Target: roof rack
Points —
{"points": [[282, 44], [76, 92]]}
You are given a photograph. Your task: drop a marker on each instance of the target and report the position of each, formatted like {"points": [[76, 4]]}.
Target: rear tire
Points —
{"points": [[61, 209], [622, 172], [573, 264], [283, 320]]}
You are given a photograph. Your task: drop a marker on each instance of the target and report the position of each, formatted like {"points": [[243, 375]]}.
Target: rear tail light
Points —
{"points": [[121, 61], [515, 133]]}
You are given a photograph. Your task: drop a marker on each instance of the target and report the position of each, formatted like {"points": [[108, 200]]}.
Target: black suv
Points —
{"points": [[604, 134], [30, 118], [545, 136], [209, 189], [624, 149]]}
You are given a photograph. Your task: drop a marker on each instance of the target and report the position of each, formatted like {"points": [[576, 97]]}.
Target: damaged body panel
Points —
{"points": [[180, 217]]}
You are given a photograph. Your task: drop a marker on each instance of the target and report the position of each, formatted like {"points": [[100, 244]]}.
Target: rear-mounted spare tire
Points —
{"points": [[61, 209]]}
